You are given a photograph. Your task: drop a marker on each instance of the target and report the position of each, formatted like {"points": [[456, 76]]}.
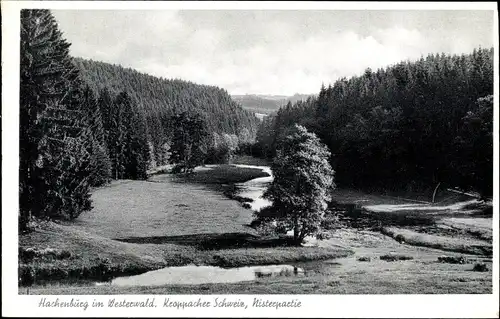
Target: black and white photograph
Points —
{"points": [[263, 152]]}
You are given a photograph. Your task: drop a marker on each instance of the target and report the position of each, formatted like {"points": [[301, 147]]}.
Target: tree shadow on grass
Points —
{"points": [[214, 241]]}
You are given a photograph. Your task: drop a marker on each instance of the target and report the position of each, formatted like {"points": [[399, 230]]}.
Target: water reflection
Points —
{"points": [[254, 188], [193, 275]]}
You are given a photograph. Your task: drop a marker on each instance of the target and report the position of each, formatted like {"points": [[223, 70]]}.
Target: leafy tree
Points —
{"points": [[222, 148], [303, 180], [54, 162], [188, 148]]}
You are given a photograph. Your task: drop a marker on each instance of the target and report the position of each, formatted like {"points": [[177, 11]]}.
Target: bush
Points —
{"points": [[331, 222], [242, 199], [323, 235], [29, 254], [480, 267], [218, 155], [400, 238], [246, 205], [453, 259], [392, 257], [363, 258]]}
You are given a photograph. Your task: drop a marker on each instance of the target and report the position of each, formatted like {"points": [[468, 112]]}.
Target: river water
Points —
{"points": [[195, 275], [255, 188]]}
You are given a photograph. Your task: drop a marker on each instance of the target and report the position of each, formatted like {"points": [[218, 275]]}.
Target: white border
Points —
{"points": [[444, 306]]}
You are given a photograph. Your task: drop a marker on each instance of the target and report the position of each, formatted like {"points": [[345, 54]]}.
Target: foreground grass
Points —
{"points": [[422, 274], [383, 280]]}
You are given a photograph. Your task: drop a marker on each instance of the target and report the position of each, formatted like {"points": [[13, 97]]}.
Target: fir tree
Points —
{"points": [[54, 174], [100, 165], [128, 143]]}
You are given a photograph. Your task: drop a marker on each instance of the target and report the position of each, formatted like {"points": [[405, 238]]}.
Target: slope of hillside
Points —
{"points": [[159, 97]]}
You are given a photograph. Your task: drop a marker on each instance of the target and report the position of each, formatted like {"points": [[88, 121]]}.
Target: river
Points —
{"points": [[254, 188]]}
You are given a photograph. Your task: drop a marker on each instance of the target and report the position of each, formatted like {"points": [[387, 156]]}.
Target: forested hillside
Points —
{"points": [[159, 96], [409, 126], [159, 99]]}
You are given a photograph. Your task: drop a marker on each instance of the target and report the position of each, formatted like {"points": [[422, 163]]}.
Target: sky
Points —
{"points": [[269, 51]]}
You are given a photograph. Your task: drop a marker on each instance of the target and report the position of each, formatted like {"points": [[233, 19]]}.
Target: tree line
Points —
{"points": [[83, 123], [410, 126]]}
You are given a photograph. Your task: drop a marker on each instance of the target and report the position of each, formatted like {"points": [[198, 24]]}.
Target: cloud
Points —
{"points": [[260, 51]]}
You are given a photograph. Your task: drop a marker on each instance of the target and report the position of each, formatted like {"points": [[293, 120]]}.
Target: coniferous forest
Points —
{"points": [[409, 127]]}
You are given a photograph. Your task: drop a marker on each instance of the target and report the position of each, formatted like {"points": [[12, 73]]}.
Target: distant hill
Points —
{"points": [[266, 104]]}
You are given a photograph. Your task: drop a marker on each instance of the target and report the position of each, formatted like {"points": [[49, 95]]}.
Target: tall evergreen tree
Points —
{"points": [[105, 102], [476, 141], [117, 137], [53, 173], [100, 163], [127, 142], [137, 147]]}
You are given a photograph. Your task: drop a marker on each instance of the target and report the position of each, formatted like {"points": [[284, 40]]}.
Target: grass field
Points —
{"points": [[137, 226]]}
